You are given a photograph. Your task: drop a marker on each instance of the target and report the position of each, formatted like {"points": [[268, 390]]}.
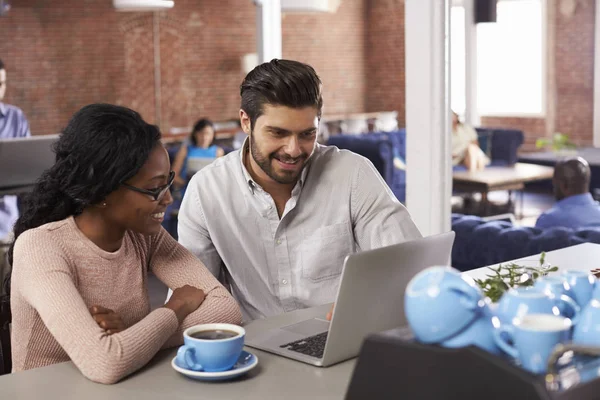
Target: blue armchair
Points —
{"points": [[382, 148]]}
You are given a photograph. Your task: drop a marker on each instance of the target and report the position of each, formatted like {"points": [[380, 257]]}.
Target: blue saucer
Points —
{"points": [[245, 363]]}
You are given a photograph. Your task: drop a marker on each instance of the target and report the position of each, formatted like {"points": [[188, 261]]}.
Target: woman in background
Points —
{"points": [[200, 150], [465, 146], [89, 234]]}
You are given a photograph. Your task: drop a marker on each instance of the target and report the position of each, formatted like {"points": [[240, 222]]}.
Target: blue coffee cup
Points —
{"points": [[582, 284], [531, 339], [587, 330], [558, 286], [480, 333], [211, 347], [440, 302], [517, 302]]}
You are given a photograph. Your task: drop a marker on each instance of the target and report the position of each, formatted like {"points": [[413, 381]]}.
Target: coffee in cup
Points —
{"points": [[211, 347]]}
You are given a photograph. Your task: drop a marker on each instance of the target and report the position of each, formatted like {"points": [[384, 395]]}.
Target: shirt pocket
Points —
{"points": [[323, 252]]}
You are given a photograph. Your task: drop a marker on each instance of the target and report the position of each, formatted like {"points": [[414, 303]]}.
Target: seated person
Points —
{"points": [[200, 150], [575, 207], [277, 218], [465, 146], [89, 234]]}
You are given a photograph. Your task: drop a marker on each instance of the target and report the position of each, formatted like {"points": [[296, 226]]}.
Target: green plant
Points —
{"points": [[560, 141], [512, 275]]}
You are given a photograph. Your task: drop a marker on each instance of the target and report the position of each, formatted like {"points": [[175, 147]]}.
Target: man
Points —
{"points": [[575, 206], [279, 216], [13, 124]]}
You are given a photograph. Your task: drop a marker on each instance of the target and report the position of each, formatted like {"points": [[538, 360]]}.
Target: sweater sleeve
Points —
{"points": [[175, 266], [42, 273]]}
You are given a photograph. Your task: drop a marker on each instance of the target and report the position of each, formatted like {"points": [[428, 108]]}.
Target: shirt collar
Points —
{"points": [[2, 109], [248, 178], [583, 199]]}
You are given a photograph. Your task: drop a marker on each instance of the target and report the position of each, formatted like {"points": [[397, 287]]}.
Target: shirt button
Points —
{"points": [[279, 241], [284, 281]]}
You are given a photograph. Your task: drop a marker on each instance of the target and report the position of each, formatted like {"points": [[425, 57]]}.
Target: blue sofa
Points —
{"points": [[382, 148], [479, 243]]}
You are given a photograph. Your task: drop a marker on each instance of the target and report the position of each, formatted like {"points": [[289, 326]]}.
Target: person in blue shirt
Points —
{"points": [[199, 150], [13, 124], [575, 207]]}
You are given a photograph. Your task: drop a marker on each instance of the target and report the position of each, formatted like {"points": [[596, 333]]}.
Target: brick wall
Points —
{"points": [[385, 57], [574, 60], [570, 79], [334, 44], [61, 55]]}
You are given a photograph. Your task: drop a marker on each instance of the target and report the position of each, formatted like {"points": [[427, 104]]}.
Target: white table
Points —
{"points": [[274, 378], [584, 256]]}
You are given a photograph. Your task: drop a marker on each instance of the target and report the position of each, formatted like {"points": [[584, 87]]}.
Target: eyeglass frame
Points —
{"points": [[158, 193]]}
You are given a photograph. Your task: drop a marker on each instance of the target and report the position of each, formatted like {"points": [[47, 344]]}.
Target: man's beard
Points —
{"points": [[266, 164]]}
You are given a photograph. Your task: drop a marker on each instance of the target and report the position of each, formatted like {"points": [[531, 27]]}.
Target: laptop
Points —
{"points": [[370, 299], [23, 160], [195, 164]]}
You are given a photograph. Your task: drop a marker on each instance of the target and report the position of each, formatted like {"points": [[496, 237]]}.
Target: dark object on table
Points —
{"points": [[392, 365]]}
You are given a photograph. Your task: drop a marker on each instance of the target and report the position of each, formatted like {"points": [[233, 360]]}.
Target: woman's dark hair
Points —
{"points": [[198, 126], [102, 146], [2, 64], [280, 83]]}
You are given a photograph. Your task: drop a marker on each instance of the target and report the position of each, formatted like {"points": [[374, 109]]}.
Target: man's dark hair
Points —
{"points": [[280, 83], [198, 126], [2, 64], [571, 176]]}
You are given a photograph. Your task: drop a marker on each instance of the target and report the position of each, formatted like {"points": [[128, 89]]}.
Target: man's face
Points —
{"points": [[282, 141], [2, 83]]}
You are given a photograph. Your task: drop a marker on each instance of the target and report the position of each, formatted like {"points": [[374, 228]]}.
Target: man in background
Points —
{"points": [[13, 124], [575, 206]]}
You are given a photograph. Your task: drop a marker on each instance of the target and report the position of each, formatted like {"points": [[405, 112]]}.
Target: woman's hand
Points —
{"points": [[107, 319], [185, 300]]}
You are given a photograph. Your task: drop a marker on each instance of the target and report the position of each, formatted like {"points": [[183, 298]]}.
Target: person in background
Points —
{"points": [[89, 235], [13, 124], [278, 217], [239, 137], [201, 146], [465, 146], [575, 207]]}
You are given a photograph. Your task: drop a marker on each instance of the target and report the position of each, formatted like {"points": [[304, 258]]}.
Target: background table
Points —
{"points": [[499, 178]]}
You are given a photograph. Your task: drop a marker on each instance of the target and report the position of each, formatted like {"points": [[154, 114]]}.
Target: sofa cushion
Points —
{"points": [[479, 243], [382, 149]]}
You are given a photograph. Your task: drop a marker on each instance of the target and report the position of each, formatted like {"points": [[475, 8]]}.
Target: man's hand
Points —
{"points": [[330, 313], [107, 319]]}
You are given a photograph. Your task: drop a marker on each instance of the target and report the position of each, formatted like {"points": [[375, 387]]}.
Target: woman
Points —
{"points": [[87, 237], [465, 146], [199, 151]]}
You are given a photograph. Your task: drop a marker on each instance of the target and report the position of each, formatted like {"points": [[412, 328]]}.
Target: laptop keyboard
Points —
{"points": [[313, 346]]}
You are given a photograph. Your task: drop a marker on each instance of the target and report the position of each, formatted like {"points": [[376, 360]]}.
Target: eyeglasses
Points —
{"points": [[158, 193]]}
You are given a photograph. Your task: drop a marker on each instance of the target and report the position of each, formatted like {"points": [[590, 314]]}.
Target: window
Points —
{"points": [[510, 60]]}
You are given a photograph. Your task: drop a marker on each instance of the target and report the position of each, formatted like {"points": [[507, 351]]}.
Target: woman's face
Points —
{"points": [[139, 212], [204, 137]]}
